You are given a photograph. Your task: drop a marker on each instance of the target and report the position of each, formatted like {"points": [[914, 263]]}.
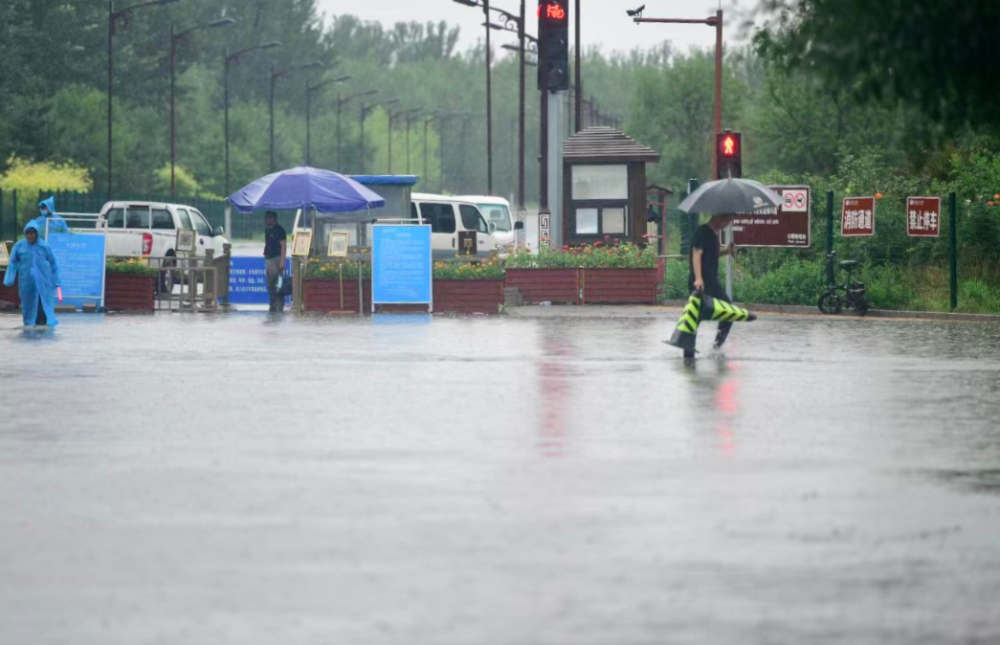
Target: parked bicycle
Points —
{"points": [[851, 294]]}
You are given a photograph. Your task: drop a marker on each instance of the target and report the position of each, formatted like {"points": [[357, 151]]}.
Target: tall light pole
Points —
{"points": [[124, 15], [579, 73], [341, 102], [527, 44], [711, 21], [275, 75], [367, 109], [175, 40], [485, 5], [410, 118], [230, 59], [310, 90]]}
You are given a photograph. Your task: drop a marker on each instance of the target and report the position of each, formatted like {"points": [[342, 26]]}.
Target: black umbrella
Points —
{"points": [[732, 197]]}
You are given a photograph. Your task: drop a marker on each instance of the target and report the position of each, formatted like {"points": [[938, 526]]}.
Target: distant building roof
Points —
{"points": [[604, 144]]}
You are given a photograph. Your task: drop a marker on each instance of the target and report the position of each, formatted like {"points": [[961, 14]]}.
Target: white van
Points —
{"points": [[449, 216], [496, 211]]}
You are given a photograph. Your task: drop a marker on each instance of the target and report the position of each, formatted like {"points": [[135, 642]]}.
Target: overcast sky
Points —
{"points": [[604, 21]]}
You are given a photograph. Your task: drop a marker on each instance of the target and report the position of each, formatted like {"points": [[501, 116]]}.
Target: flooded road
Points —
{"points": [[250, 480]]}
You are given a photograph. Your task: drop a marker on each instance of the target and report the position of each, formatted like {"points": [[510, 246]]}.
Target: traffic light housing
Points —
{"points": [[553, 45], [729, 151]]}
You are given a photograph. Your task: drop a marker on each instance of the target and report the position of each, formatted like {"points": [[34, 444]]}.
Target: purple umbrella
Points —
{"points": [[306, 188]]}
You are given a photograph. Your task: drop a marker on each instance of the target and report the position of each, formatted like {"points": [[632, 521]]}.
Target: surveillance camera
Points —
{"points": [[635, 13]]}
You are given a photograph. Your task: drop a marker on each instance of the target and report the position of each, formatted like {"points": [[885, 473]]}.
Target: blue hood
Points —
{"points": [[32, 226], [49, 203]]}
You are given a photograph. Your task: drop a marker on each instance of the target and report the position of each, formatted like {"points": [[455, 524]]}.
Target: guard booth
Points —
{"points": [[604, 183], [394, 189]]}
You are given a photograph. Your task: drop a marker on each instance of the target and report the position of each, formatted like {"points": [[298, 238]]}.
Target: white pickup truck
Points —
{"points": [[149, 229]]}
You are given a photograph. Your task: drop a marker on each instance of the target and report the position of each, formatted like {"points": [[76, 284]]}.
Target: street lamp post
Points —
{"points": [[526, 44], [367, 109], [511, 19], [175, 40], [275, 75], [410, 118], [230, 59], [310, 90], [341, 102], [124, 15]]}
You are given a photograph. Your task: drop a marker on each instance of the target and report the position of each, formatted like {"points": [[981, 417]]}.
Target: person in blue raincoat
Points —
{"points": [[39, 280], [47, 220]]}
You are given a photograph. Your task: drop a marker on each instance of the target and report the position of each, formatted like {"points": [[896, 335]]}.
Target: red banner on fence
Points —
{"points": [[923, 216], [786, 226], [858, 217]]}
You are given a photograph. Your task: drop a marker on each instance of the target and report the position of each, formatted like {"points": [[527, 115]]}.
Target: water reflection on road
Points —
{"points": [[256, 479]]}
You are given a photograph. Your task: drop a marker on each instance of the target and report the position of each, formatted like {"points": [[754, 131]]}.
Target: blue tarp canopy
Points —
{"points": [[307, 188]]}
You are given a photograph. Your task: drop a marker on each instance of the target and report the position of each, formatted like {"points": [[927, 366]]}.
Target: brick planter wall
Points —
{"points": [[546, 285], [129, 292], [619, 286], [468, 296], [323, 296]]}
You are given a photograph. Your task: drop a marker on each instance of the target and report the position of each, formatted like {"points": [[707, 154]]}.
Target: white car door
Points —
{"points": [[472, 220], [205, 238], [441, 217]]}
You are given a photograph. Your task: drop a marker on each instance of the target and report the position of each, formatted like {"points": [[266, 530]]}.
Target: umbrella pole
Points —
{"points": [[730, 263]]}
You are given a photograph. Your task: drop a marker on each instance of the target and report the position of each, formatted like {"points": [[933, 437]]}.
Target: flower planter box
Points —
{"points": [[323, 296], [619, 286], [546, 285], [9, 294], [129, 292], [468, 296]]}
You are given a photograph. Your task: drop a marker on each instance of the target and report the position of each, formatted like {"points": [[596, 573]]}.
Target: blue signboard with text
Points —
{"points": [[402, 265], [81, 263], [248, 281]]}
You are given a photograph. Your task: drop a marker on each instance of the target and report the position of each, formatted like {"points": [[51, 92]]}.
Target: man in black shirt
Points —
{"points": [[275, 245], [704, 276]]}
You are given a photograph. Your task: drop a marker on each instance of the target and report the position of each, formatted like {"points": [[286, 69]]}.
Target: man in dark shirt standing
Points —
{"points": [[705, 254], [275, 245]]}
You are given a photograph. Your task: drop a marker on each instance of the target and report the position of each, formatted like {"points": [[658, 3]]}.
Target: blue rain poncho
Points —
{"points": [[56, 224], [38, 276]]}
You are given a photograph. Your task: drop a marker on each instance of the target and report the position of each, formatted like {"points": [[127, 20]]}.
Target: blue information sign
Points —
{"points": [[401, 265], [81, 263], [248, 281]]}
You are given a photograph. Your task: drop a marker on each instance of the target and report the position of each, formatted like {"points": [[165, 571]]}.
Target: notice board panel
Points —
{"points": [[81, 263], [402, 268]]}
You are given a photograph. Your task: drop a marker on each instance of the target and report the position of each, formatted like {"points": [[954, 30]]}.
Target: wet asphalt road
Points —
{"points": [[241, 479]]}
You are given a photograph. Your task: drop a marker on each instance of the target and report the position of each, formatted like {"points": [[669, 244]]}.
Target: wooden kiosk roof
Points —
{"points": [[606, 145]]}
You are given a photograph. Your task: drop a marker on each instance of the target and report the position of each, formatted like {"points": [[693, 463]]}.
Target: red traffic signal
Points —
{"points": [[729, 148], [729, 145], [552, 11]]}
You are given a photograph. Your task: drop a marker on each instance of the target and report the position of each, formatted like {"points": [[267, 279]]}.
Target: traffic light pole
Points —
{"points": [[713, 21]]}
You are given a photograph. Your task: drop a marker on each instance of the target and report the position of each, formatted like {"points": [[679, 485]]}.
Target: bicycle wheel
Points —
{"points": [[860, 305], [831, 303]]}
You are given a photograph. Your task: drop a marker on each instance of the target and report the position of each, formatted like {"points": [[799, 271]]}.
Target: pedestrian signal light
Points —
{"points": [[729, 148]]}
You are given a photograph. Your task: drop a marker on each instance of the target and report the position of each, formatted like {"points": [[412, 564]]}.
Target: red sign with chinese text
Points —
{"points": [[788, 226], [858, 217], [923, 216]]}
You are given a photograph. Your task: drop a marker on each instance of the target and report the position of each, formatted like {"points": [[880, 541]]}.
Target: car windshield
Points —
{"points": [[499, 215]]}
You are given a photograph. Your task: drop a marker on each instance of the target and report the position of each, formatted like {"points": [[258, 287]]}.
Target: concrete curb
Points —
{"points": [[671, 308]]}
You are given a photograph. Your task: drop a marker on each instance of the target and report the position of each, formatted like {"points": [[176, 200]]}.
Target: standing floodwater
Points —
{"points": [[239, 479]]}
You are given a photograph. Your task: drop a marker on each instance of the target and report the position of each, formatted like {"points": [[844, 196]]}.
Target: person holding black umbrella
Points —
{"points": [[706, 251]]}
